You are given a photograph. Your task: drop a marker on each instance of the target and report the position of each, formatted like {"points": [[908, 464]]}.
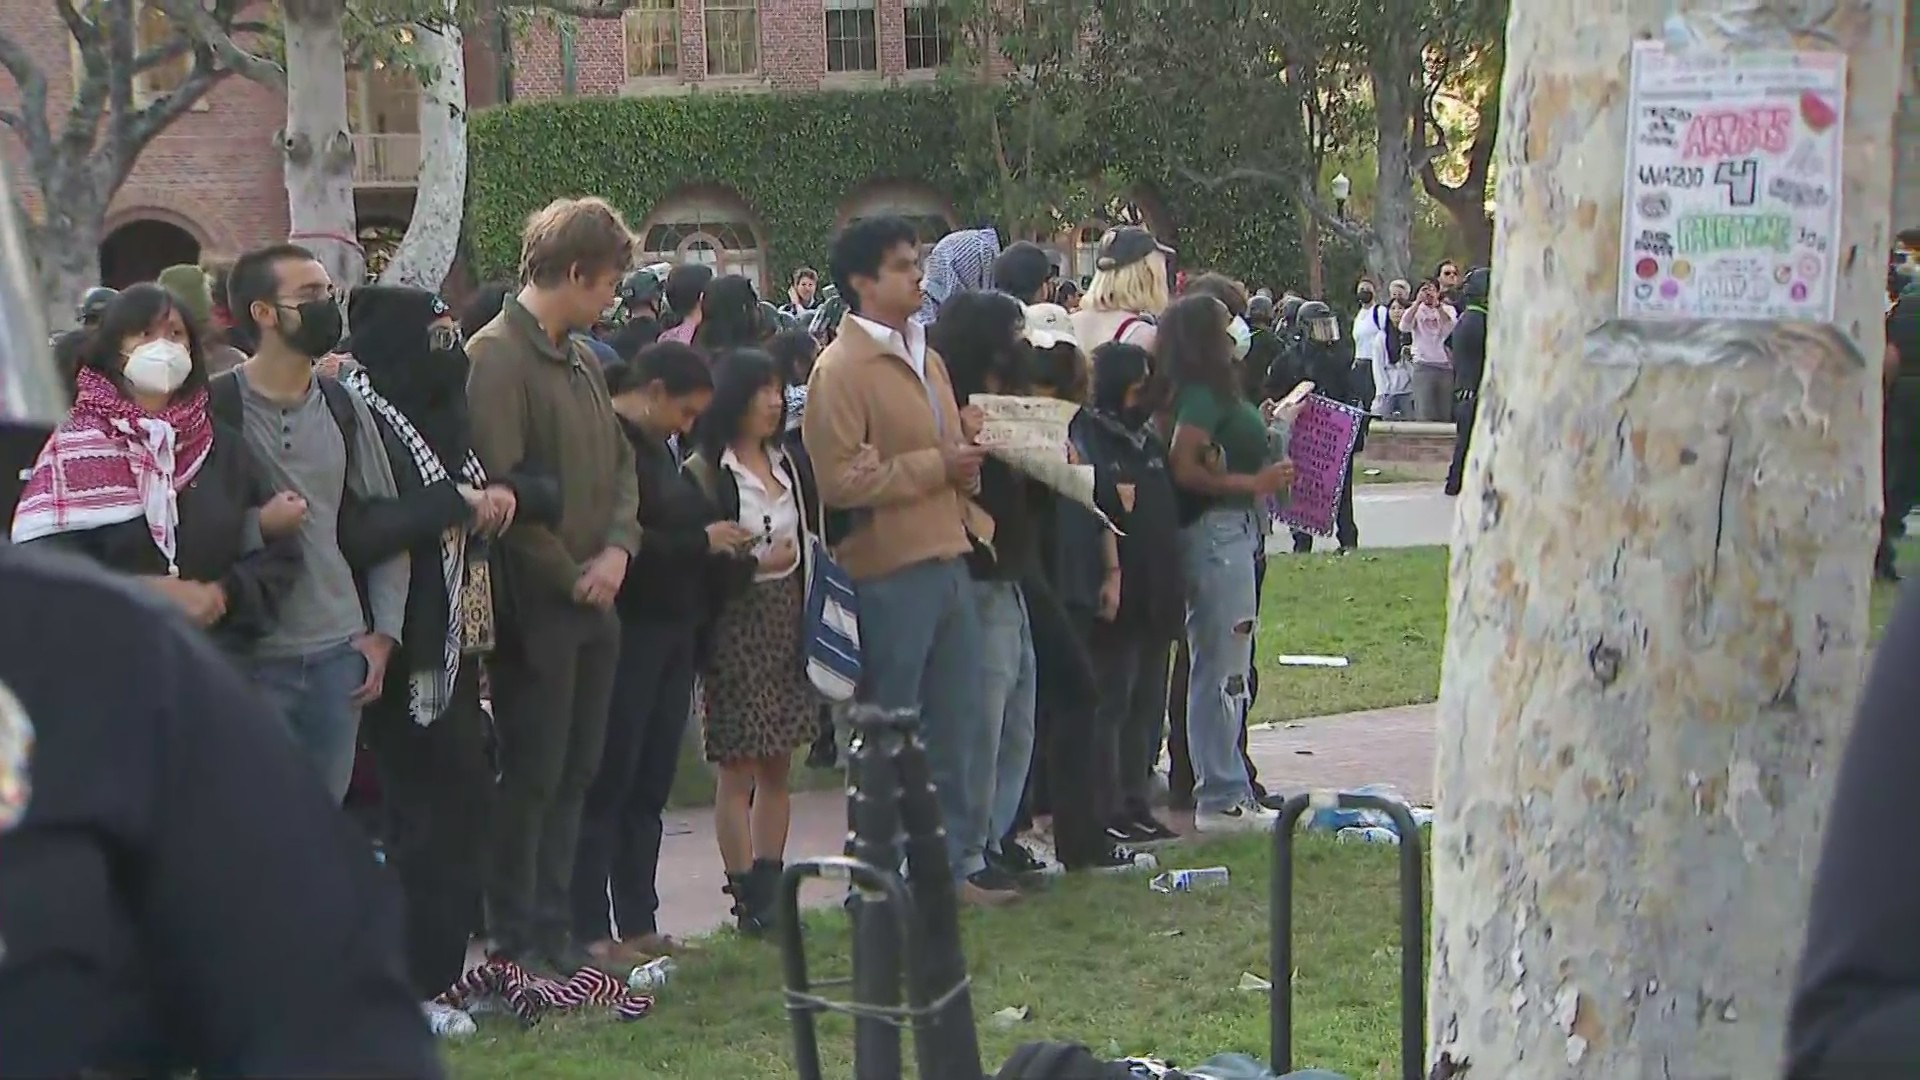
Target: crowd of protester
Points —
{"points": [[504, 560]]}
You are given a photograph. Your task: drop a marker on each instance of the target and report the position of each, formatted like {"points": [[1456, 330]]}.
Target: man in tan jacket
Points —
{"points": [[893, 452]]}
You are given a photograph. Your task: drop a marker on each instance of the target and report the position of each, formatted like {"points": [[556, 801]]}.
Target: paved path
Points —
{"points": [[1395, 515], [1388, 746]]}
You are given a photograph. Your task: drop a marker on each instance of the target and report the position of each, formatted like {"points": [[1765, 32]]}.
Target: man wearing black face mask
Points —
{"points": [[327, 654]]}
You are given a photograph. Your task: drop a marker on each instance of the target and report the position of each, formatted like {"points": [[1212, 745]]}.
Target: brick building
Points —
{"points": [[211, 184]]}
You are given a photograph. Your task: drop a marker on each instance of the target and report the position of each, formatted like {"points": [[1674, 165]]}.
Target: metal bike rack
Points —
{"points": [[1413, 945]]}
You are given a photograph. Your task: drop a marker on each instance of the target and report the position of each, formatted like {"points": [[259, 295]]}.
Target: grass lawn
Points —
{"points": [[1384, 610], [1104, 961]]}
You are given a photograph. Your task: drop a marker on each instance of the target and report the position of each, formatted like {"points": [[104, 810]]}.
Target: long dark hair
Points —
{"points": [[729, 315], [132, 314], [978, 334], [1118, 367], [1194, 346], [794, 352], [738, 377]]}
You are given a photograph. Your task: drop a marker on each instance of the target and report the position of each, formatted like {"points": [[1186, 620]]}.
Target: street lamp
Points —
{"points": [[1342, 187]]}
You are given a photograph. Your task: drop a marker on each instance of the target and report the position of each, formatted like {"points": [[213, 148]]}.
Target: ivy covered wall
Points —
{"points": [[795, 159]]}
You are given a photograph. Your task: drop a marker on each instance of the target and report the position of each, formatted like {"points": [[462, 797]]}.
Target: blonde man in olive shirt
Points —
{"points": [[538, 401]]}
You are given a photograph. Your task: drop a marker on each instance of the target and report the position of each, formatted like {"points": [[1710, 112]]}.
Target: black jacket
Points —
{"points": [[1153, 595], [181, 893], [210, 543], [1017, 506], [671, 577], [1855, 1011], [413, 520], [721, 490], [1468, 345]]}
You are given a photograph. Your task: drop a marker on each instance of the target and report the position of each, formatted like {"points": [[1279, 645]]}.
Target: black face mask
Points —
{"points": [[1366, 299], [448, 373], [321, 325]]}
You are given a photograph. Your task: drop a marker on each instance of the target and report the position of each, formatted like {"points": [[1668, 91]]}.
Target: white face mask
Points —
{"points": [[157, 367], [1242, 337]]}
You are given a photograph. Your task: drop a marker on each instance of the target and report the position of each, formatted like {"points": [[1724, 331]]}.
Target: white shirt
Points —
{"points": [[912, 347], [1370, 335], [773, 515]]}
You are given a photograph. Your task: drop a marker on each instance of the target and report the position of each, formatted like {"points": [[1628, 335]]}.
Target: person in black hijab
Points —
{"points": [[427, 733]]}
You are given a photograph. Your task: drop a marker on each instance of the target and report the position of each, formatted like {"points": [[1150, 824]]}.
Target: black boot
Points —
{"points": [[740, 887], [763, 891]]}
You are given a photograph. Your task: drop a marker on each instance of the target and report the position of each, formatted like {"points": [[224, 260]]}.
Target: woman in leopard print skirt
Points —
{"points": [[760, 708]]}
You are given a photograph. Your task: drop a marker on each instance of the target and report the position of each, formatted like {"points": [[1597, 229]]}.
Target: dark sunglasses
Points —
{"points": [[443, 337]]}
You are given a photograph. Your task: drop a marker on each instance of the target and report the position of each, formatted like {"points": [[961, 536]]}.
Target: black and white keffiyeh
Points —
{"points": [[429, 691]]}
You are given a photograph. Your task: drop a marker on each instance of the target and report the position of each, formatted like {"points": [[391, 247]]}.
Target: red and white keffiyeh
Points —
{"points": [[113, 461]]}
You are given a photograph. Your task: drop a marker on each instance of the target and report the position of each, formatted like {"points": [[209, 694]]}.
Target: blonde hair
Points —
{"points": [[569, 234], [1138, 288]]}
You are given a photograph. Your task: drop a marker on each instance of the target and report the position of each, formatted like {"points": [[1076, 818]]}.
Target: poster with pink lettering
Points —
{"points": [[1320, 444], [1733, 185]]}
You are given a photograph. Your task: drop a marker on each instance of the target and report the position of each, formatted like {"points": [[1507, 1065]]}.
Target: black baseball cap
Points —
{"points": [[1124, 246]]}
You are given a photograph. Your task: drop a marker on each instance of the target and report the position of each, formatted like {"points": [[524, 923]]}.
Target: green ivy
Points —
{"points": [[794, 160]]}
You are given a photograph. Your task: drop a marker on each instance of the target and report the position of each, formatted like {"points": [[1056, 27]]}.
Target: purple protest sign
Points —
{"points": [[1320, 444]]}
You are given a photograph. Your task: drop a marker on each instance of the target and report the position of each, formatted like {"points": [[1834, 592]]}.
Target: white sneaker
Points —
{"points": [[1121, 859], [447, 1022], [1249, 816]]}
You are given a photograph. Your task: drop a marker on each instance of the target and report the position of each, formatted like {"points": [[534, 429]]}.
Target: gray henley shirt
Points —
{"points": [[301, 449]]}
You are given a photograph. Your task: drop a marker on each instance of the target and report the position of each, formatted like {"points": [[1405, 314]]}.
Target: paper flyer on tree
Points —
{"points": [[1030, 434], [1732, 207]]}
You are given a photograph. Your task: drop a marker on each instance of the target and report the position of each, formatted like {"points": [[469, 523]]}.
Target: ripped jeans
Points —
{"points": [[1217, 554]]}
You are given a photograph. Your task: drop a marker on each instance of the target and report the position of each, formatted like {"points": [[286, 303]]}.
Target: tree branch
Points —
{"points": [[31, 120], [580, 9], [216, 34]]}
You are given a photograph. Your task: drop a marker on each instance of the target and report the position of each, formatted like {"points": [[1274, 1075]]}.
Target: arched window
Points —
{"points": [[921, 206], [707, 228]]}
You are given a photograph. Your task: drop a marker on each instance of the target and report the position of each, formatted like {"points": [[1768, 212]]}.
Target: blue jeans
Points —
{"points": [[1007, 681], [1217, 554], [920, 649], [313, 694]]}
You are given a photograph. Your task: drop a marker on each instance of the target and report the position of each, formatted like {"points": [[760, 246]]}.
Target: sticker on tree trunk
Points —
{"points": [[1732, 206]]}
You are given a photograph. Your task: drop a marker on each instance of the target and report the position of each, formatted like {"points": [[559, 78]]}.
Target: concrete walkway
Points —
{"points": [[1384, 746]]}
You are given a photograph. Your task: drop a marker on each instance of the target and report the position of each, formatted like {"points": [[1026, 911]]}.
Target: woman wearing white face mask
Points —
{"points": [[141, 479]]}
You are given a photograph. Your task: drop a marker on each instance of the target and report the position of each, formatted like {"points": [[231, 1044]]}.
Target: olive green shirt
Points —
{"points": [[543, 405]]}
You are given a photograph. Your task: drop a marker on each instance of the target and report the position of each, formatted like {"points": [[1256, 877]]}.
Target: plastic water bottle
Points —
{"points": [[1367, 834], [1179, 881], [650, 976]]}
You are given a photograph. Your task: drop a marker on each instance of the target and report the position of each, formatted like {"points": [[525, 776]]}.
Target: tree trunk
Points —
{"points": [[426, 253], [318, 148], [1316, 260], [1658, 602], [1390, 249], [1906, 150], [66, 257]]}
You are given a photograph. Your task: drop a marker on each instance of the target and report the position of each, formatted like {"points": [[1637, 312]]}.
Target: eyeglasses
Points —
{"points": [[443, 338]]}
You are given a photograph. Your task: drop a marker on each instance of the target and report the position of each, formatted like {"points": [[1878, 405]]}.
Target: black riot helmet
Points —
{"points": [[1317, 323], [1290, 310], [1260, 311], [93, 304], [1477, 285]]}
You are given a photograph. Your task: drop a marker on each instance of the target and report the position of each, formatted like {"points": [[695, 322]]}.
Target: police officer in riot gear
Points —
{"points": [[1900, 446], [640, 297], [1468, 347]]}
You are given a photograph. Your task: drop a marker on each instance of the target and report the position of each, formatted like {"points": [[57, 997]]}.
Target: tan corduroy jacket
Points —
{"points": [[906, 511]]}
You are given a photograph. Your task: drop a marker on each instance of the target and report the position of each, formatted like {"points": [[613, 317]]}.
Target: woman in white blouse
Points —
{"points": [[760, 708]]}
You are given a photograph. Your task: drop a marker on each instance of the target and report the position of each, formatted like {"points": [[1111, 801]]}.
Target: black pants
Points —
{"points": [[436, 786], [1179, 764], [550, 699], [1900, 466], [1132, 668], [620, 830], [1465, 404], [1080, 750], [1345, 529]]}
